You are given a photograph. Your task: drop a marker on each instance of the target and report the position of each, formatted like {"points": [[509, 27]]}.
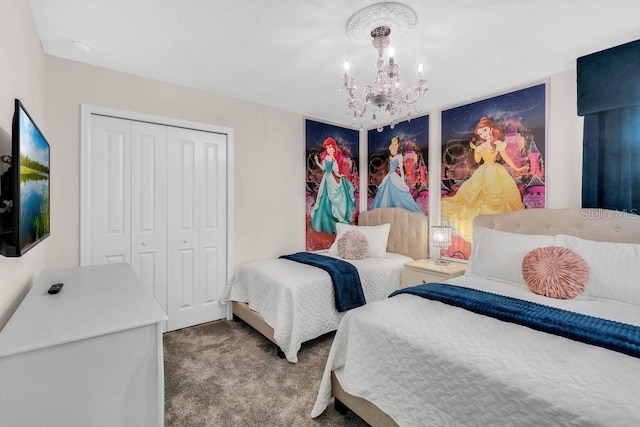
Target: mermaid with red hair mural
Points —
{"points": [[335, 201]]}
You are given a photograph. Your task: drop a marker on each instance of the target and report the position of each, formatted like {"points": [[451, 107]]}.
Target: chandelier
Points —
{"points": [[386, 95]]}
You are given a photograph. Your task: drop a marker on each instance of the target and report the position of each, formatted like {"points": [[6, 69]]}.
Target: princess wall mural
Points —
{"points": [[332, 181], [493, 161], [397, 172]]}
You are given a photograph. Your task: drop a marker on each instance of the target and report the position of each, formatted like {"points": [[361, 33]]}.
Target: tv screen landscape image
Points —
{"points": [[24, 185], [34, 209]]}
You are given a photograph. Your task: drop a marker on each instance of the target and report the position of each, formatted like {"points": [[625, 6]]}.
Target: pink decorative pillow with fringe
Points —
{"points": [[555, 272], [353, 245]]}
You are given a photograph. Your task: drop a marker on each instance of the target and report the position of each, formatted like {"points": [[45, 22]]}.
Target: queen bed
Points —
{"points": [[413, 361], [290, 303]]}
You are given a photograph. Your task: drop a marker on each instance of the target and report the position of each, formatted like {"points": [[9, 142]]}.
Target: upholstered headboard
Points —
{"points": [[593, 224], [409, 233]]}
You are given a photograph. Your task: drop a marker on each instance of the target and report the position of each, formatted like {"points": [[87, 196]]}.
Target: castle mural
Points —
{"points": [[493, 160], [332, 181], [397, 166]]}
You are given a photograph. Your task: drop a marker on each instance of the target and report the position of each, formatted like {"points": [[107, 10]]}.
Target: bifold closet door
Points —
{"points": [[149, 207], [128, 196], [158, 200], [110, 190], [197, 257]]}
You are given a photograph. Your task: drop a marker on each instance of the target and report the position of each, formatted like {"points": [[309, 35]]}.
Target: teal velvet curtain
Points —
{"points": [[611, 160], [608, 90]]}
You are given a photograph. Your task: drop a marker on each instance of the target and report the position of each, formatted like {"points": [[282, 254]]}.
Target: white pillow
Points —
{"points": [[498, 254], [614, 268], [377, 236]]}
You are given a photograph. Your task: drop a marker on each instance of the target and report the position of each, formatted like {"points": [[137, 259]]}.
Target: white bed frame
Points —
{"points": [[409, 235], [592, 224]]}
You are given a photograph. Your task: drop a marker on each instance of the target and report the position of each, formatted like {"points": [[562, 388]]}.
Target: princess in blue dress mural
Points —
{"points": [[335, 201], [393, 190]]}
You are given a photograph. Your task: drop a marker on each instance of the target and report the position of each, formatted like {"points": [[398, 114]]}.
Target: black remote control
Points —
{"points": [[55, 288]]}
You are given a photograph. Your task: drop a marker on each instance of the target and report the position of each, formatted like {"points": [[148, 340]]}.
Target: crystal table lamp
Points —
{"points": [[440, 239]]}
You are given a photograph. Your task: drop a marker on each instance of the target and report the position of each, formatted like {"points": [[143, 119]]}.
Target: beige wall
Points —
{"points": [[269, 148], [21, 76], [564, 144]]}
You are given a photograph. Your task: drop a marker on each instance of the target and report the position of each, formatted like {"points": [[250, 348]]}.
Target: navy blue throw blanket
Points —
{"points": [[609, 334], [345, 278]]}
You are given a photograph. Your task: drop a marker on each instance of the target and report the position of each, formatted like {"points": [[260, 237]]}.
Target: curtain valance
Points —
{"points": [[609, 79]]}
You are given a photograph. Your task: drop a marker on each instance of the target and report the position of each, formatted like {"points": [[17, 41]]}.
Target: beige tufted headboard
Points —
{"points": [[409, 233], [593, 224]]}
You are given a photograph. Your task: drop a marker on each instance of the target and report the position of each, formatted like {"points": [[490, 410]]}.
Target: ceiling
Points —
{"points": [[289, 53]]}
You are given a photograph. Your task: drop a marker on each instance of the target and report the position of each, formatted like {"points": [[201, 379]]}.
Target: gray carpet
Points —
{"points": [[224, 373]]}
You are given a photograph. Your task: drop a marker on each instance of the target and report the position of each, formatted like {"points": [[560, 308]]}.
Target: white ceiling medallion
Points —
{"points": [[389, 14]]}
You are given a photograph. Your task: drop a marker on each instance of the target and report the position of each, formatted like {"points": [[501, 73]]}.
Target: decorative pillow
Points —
{"points": [[377, 236], [614, 268], [555, 272], [353, 245], [498, 254]]}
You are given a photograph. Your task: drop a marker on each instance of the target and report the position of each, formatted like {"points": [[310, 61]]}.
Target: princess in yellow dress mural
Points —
{"points": [[490, 189]]}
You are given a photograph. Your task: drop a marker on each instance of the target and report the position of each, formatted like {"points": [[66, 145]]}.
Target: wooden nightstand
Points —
{"points": [[426, 271]]}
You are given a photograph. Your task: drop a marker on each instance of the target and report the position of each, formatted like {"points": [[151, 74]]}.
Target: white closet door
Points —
{"points": [[128, 193], [149, 207], [197, 257], [157, 199], [110, 183]]}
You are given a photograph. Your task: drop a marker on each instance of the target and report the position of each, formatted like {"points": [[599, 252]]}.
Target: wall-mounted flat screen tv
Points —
{"points": [[27, 204]]}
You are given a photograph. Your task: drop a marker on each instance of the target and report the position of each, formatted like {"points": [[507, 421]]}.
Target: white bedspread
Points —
{"points": [[297, 300], [427, 363]]}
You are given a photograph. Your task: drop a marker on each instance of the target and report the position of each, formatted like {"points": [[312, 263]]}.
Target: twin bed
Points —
{"points": [[412, 361], [290, 303]]}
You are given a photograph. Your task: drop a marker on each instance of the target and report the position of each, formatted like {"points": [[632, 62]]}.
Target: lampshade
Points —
{"points": [[441, 236]]}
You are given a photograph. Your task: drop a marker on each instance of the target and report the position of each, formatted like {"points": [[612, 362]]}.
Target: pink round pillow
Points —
{"points": [[555, 272], [353, 245]]}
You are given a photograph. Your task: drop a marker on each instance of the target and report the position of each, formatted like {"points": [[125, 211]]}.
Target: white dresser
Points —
{"points": [[90, 355]]}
